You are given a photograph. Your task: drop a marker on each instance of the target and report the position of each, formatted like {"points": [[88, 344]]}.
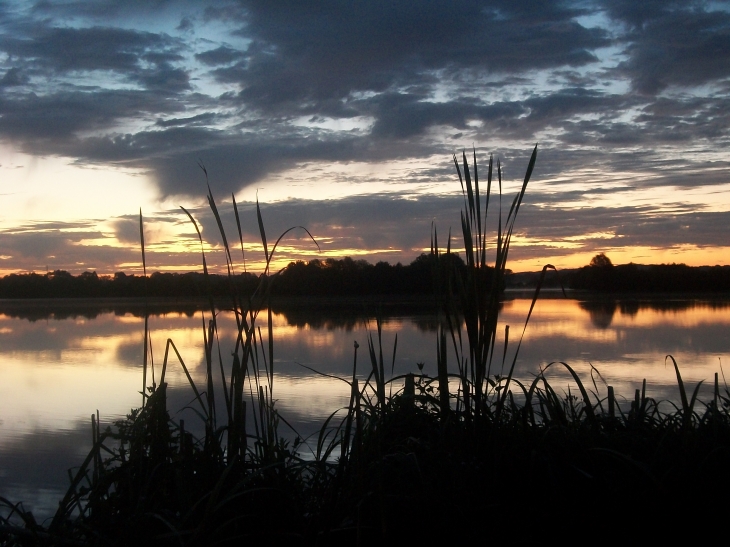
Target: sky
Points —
{"points": [[344, 117]]}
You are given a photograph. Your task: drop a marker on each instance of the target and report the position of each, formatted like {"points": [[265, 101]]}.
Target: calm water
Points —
{"points": [[58, 368]]}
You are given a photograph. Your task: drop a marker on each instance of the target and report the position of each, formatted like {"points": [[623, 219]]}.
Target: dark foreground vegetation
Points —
{"points": [[466, 456]]}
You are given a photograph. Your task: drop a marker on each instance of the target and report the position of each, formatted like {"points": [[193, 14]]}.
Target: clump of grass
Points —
{"points": [[482, 393]]}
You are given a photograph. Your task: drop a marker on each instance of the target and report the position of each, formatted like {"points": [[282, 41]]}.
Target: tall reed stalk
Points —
{"points": [[478, 293]]}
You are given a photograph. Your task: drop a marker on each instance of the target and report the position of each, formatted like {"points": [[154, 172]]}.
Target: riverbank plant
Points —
{"points": [[471, 454]]}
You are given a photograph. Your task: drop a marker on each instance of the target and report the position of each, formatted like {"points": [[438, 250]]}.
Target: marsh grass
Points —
{"points": [[410, 459]]}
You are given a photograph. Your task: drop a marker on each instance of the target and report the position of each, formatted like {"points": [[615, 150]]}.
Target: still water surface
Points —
{"points": [[59, 366]]}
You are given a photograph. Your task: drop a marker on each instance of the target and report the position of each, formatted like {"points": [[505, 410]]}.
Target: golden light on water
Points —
{"points": [[642, 334], [83, 364], [693, 317]]}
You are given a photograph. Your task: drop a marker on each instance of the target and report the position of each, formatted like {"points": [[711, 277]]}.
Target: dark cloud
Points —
{"points": [[185, 25], [164, 77], [126, 230], [673, 43], [45, 123], [637, 14], [566, 103], [222, 55], [402, 116], [234, 165], [691, 117], [95, 48], [630, 226], [200, 119], [13, 77], [302, 52], [102, 9], [404, 225], [377, 60], [40, 242]]}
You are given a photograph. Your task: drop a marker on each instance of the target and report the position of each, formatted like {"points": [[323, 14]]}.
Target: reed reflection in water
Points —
{"points": [[60, 366]]}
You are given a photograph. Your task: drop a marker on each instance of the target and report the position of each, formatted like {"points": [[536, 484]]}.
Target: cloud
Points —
{"points": [[164, 77], [222, 55], [126, 230], [300, 55], [50, 123], [13, 77], [81, 49], [630, 226], [186, 25], [673, 43], [104, 9], [37, 243], [199, 120]]}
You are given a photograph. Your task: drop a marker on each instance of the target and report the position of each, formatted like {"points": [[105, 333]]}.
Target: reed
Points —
{"points": [[482, 394]]}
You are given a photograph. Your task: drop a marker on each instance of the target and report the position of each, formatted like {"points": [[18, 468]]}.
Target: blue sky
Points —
{"points": [[343, 117]]}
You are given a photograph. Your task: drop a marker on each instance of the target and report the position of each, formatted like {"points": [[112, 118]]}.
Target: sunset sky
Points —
{"points": [[343, 116]]}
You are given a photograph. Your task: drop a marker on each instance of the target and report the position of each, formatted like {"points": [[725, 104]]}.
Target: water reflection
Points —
{"points": [[348, 314], [73, 308], [60, 364], [600, 312]]}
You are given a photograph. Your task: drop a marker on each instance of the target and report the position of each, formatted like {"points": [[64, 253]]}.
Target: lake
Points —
{"points": [[62, 361]]}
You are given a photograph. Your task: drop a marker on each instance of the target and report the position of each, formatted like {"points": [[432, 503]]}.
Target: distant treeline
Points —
{"points": [[61, 284], [330, 277], [664, 278], [348, 277], [358, 277]]}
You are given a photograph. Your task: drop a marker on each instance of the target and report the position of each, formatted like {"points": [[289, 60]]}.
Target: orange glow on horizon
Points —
{"points": [[689, 255], [186, 258]]}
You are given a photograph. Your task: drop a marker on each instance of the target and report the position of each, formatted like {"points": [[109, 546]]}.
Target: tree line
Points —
{"points": [[330, 277], [348, 277], [61, 284], [601, 275]]}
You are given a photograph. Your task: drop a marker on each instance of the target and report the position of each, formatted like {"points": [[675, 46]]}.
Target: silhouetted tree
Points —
{"points": [[601, 261]]}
